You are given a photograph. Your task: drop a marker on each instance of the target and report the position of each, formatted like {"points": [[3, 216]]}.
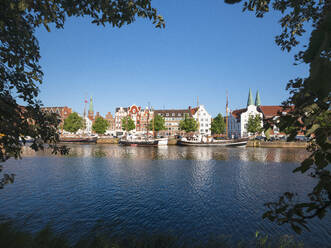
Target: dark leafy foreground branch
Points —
{"points": [[10, 237], [21, 74], [309, 104]]}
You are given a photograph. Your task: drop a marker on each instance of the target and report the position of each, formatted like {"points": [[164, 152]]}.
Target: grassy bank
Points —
{"points": [[11, 237]]}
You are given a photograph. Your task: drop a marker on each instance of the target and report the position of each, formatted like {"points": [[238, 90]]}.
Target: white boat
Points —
{"points": [[133, 140], [204, 141], [162, 141]]}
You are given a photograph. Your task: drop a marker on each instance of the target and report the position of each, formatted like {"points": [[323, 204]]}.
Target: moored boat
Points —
{"points": [[211, 142], [143, 141], [138, 142]]}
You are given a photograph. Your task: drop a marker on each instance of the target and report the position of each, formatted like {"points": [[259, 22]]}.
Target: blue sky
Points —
{"points": [[207, 47]]}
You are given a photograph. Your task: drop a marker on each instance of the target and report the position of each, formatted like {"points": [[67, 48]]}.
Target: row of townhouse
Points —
{"points": [[236, 121], [142, 117]]}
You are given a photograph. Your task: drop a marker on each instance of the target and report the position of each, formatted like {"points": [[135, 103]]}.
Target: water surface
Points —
{"points": [[193, 192]]}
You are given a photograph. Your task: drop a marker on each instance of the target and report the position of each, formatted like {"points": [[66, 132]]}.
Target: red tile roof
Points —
{"points": [[193, 110], [236, 113], [271, 111], [267, 111]]}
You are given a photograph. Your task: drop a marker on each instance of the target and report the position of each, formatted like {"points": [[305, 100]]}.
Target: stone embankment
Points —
{"points": [[107, 141], [172, 142], [276, 144]]}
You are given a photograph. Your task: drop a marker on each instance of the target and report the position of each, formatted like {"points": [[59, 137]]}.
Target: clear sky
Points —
{"points": [[207, 47]]}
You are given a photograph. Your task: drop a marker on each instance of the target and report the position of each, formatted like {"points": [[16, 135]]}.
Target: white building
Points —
{"points": [[238, 119], [203, 118], [120, 113]]}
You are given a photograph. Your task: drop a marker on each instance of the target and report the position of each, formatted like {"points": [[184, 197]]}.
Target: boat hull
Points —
{"points": [[225, 143], [138, 143]]}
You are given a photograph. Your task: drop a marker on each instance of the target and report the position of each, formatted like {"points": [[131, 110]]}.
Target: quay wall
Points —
{"points": [[172, 142], [276, 144], [107, 141]]}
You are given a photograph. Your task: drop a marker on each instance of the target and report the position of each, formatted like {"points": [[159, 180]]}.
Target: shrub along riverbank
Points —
{"points": [[11, 237]]}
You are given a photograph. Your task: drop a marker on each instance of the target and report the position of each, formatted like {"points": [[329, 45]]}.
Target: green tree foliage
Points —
{"points": [[73, 123], [189, 124], [128, 124], [12, 237], [311, 97], [158, 122], [21, 74], [254, 124], [100, 125], [218, 125]]}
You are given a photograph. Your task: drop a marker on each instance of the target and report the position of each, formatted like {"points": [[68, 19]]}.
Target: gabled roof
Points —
{"points": [[194, 110], [267, 111], [271, 111], [238, 112]]}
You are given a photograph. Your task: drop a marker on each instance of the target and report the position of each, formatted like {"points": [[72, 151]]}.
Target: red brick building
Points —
{"points": [[63, 112], [109, 117]]}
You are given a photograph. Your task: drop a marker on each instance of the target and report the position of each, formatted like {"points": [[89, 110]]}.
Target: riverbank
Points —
{"points": [[276, 144]]}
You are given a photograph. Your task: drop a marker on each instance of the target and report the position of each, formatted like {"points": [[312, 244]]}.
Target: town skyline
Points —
{"points": [[222, 111]]}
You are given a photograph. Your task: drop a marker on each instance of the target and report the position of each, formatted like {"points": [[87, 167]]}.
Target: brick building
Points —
{"points": [[63, 112], [172, 119], [141, 117], [111, 120]]}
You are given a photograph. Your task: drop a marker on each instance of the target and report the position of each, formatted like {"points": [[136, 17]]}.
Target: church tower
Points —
{"points": [[257, 99], [90, 110], [250, 99]]}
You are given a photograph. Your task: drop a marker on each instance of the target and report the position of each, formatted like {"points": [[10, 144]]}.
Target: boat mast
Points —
{"points": [[153, 125], [85, 102], [226, 116], [147, 125], [198, 115]]}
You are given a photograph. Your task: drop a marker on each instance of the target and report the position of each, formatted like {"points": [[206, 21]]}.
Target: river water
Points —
{"points": [[193, 192]]}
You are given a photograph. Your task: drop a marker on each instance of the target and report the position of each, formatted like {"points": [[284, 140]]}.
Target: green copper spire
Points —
{"points": [[91, 105], [250, 99], [257, 99]]}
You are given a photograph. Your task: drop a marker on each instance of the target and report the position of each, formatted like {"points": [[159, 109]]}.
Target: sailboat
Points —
{"points": [[200, 140], [133, 140]]}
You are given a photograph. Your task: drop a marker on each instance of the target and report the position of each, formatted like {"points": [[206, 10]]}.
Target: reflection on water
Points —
{"points": [[182, 153], [194, 192]]}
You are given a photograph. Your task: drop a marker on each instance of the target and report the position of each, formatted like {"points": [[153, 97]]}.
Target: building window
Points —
{"points": [[173, 114], [179, 114], [167, 114]]}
